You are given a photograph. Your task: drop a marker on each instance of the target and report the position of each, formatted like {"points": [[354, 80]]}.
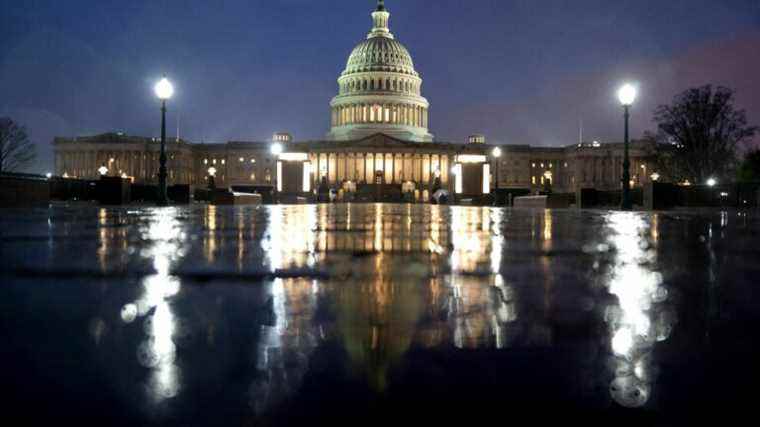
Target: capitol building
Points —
{"points": [[378, 143]]}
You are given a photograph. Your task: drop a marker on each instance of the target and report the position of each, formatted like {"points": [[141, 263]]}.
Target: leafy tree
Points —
{"points": [[749, 171], [699, 133], [16, 150]]}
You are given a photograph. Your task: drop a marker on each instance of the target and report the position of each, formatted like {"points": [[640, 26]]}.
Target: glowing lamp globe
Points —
{"points": [[276, 149], [164, 89], [496, 152], [627, 94], [712, 182]]}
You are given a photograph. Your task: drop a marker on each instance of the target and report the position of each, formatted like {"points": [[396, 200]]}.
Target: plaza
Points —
{"points": [[314, 313]]}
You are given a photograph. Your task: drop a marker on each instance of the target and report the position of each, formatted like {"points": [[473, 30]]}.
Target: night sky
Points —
{"points": [[521, 72]]}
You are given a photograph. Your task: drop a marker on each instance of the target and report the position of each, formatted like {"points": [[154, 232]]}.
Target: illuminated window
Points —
{"points": [[205, 161], [224, 161], [533, 180], [542, 165], [242, 160], [253, 160], [213, 161], [534, 165]]}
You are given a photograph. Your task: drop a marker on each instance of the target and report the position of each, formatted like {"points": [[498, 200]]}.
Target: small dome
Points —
{"points": [[380, 54]]}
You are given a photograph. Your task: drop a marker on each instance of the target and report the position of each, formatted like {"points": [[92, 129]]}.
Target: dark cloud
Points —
{"points": [[553, 115]]}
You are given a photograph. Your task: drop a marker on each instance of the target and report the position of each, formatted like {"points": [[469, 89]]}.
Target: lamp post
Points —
{"points": [[212, 178], [627, 95], [496, 153], [164, 90]]}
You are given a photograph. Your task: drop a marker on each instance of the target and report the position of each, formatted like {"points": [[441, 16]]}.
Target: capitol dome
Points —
{"points": [[380, 91], [380, 54]]}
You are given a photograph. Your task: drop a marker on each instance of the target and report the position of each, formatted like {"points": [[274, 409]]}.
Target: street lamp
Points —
{"points": [[276, 149], [103, 170], [712, 182], [212, 178], [164, 90], [627, 95], [496, 153]]}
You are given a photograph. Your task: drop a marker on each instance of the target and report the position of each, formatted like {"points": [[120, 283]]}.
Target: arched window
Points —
{"points": [[388, 84], [372, 84], [364, 85], [395, 84]]}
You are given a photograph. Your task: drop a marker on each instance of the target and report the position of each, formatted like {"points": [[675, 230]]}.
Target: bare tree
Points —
{"points": [[16, 150], [698, 134]]}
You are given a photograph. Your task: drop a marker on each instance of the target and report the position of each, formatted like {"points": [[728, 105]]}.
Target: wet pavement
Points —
{"points": [[376, 315]]}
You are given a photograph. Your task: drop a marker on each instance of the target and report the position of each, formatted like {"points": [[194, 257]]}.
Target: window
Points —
{"points": [[533, 180]]}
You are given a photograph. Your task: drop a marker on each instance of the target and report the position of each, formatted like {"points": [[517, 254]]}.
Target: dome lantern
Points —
{"points": [[380, 18]]}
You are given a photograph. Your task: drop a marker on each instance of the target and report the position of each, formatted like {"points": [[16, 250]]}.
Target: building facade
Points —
{"points": [[379, 136]]}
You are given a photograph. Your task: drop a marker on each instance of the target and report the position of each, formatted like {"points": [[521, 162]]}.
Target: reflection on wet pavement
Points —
{"points": [[251, 311]]}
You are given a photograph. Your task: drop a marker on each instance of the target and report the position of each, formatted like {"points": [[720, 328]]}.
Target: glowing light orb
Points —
{"points": [[627, 94], [164, 89]]}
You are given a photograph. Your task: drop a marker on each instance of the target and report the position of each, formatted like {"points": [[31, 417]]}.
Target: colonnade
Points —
{"points": [[396, 168], [139, 164], [395, 114], [380, 84]]}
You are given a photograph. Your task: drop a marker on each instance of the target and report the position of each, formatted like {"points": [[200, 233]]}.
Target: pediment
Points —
{"points": [[381, 140]]}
